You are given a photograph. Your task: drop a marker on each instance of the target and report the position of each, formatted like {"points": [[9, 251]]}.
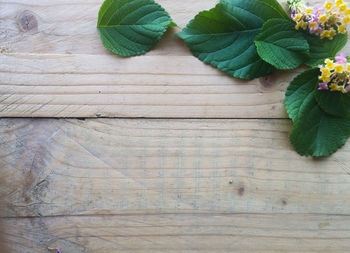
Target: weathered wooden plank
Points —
{"points": [[181, 233], [69, 27], [148, 86], [71, 75], [74, 167]]}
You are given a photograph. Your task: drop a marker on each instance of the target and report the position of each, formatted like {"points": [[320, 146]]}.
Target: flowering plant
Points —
{"points": [[335, 76], [264, 37], [318, 100], [326, 21], [251, 38]]}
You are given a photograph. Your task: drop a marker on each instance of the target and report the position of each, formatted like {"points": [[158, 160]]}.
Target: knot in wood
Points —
{"points": [[267, 81], [27, 21], [241, 190]]}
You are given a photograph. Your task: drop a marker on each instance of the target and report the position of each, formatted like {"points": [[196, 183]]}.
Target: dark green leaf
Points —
{"points": [[224, 36], [321, 49], [300, 92], [334, 102], [131, 27], [281, 45], [317, 133]]}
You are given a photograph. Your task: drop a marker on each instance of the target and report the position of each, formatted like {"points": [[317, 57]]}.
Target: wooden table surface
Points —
{"points": [[157, 153]]}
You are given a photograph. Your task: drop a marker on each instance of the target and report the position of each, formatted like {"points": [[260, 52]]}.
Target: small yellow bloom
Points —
{"points": [[325, 79], [310, 10], [343, 7], [329, 64], [342, 29], [339, 2], [298, 25], [348, 67], [312, 25], [347, 12], [341, 88], [326, 72], [323, 19], [301, 24], [297, 17], [328, 5], [346, 20], [304, 25], [325, 34], [339, 68], [332, 33], [333, 87]]}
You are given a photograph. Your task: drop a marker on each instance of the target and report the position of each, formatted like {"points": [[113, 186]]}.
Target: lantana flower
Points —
{"points": [[325, 21], [335, 75]]}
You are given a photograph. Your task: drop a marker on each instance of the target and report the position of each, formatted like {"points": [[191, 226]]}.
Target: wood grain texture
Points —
{"points": [[74, 167], [150, 185], [69, 27], [132, 185], [186, 233], [70, 86], [53, 65]]}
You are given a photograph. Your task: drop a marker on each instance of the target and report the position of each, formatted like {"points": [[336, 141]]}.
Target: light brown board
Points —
{"points": [[150, 185], [185, 233], [54, 65], [169, 186], [74, 167], [101, 85], [69, 27]]}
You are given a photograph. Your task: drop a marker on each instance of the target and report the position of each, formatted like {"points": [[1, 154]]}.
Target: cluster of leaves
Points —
{"points": [[245, 39], [249, 38], [321, 118]]}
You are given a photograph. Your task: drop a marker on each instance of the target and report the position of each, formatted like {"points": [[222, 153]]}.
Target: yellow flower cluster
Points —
{"points": [[326, 21], [335, 75]]}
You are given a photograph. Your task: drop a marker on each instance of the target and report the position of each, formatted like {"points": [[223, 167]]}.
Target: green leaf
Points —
{"points": [[255, 9], [318, 134], [300, 92], [224, 36], [315, 132], [321, 49], [334, 102], [131, 27], [281, 45]]}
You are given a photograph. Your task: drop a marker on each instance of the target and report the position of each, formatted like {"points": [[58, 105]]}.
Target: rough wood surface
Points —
{"points": [[185, 233], [69, 27], [132, 185], [54, 65], [150, 185], [71, 86]]}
